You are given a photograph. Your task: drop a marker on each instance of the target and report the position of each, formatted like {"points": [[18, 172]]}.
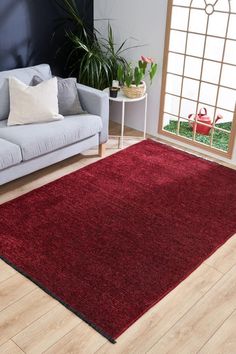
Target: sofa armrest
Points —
{"points": [[96, 102]]}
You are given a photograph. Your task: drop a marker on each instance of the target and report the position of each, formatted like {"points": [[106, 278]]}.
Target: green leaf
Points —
{"points": [[129, 76], [153, 71], [138, 75], [95, 60], [121, 46], [120, 73], [143, 66]]}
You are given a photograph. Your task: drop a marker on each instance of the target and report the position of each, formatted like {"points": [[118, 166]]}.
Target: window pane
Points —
{"points": [[190, 89], [208, 93], [177, 41], [182, 2], [222, 5], [210, 110], [204, 139], [227, 99], [232, 27], [171, 104], [214, 48], [170, 123], [228, 77], [211, 71], [218, 24], [221, 140], [193, 67], [195, 45], [185, 130], [175, 63], [227, 118], [199, 4], [198, 21], [233, 6], [179, 18], [173, 84], [187, 108], [230, 50]]}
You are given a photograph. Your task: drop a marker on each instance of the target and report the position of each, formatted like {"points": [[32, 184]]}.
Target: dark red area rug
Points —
{"points": [[110, 240]]}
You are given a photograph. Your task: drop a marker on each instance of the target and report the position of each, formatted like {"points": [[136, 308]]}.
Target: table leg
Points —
{"points": [[145, 118], [122, 126]]}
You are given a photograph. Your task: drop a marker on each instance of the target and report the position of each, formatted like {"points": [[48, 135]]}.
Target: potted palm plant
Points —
{"points": [[93, 59], [132, 77]]}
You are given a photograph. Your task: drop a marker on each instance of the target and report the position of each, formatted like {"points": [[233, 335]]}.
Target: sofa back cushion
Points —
{"points": [[25, 75], [33, 104], [68, 97]]}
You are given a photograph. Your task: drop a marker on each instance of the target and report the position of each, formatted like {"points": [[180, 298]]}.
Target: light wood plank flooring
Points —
{"points": [[199, 316]]}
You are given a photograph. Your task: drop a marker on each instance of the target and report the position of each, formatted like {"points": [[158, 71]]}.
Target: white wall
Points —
{"points": [[144, 21]]}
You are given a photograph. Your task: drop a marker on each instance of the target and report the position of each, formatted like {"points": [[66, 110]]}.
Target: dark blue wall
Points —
{"points": [[26, 33]]}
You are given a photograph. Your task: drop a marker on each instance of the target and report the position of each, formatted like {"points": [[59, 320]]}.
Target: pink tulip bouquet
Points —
{"points": [[135, 75]]}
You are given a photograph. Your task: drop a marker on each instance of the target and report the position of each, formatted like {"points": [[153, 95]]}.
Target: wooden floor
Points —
{"points": [[199, 316]]}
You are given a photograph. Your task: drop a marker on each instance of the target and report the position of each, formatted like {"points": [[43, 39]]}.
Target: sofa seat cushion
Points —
{"points": [[39, 139], [10, 154]]}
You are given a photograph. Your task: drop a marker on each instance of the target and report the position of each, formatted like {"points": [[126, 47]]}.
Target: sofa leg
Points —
{"points": [[101, 150]]}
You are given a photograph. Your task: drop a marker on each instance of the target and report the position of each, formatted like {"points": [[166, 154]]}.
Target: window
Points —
{"points": [[199, 74]]}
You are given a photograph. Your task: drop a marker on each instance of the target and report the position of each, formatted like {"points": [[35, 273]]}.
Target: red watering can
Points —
{"points": [[203, 118]]}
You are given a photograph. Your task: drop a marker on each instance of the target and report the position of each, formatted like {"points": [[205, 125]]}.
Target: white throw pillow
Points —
{"points": [[35, 104]]}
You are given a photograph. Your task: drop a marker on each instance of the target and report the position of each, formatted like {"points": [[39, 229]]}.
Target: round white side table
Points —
{"points": [[123, 100]]}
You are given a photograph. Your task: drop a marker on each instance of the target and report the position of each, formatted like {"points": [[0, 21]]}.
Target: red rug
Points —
{"points": [[110, 240]]}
